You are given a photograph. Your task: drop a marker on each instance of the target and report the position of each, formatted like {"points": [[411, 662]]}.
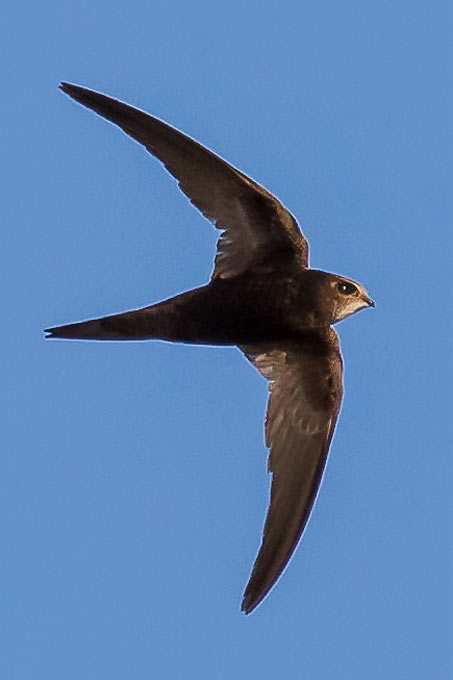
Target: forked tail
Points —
{"points": [[135, 325]]}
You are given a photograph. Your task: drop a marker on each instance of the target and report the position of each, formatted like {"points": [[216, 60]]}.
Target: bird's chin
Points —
{"points": [[351, 308]]}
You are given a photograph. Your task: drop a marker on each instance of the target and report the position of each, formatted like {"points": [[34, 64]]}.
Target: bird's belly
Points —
{"points": [[226, 315]]}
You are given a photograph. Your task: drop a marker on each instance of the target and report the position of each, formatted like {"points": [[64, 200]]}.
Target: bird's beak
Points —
{"points": [[368, 300]]}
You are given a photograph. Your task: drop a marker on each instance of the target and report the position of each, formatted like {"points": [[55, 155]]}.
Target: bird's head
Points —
{"points": [[348, 297]]}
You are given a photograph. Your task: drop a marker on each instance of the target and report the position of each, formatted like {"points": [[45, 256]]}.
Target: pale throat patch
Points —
{"points": [[351, 307]]}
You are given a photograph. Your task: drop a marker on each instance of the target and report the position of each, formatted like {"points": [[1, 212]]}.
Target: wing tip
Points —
{"points": [[252, 599], [76, 92], [247, 606], [65, 87]]}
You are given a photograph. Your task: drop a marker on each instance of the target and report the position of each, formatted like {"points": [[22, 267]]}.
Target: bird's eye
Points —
{"points": [[346, 288]]}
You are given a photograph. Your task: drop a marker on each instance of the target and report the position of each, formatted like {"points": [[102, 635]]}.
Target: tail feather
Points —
{"points": [[128, 326], [198, 316]]}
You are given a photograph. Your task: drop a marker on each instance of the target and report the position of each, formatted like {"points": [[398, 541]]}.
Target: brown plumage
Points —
{"points": [[262, 297]]}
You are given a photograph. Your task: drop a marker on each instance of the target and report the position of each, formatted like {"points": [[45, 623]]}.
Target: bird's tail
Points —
{"points": [[191, 317], [135, 325], [199, 316]]}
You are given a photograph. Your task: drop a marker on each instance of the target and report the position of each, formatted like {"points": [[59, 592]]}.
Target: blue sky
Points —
{"points": [[133, 476]]}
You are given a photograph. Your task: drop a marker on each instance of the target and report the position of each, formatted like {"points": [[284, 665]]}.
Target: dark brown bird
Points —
{"points": [[262, 297]]}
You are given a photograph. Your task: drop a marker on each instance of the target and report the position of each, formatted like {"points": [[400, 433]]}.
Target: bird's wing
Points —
{"points": [[306, 388], [255, 226]]}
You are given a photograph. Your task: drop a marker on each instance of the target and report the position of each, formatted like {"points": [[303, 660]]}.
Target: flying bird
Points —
{"points": [[263, 298]]}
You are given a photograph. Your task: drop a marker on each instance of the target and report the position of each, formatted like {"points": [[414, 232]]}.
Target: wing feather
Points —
{"points": [[255, 227], [305, 398]]}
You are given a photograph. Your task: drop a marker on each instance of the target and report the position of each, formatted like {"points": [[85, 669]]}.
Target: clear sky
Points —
{"points": [[133, 481]]}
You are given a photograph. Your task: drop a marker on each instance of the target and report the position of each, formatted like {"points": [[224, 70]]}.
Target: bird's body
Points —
{"points": [[243, 310], [263, 298]]}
